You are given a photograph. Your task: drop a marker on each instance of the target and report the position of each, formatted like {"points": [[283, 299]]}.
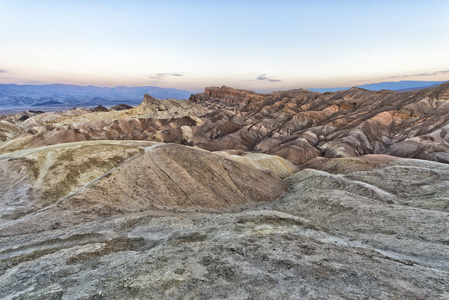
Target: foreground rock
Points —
{"points": [[400, 207], [379, 230]]}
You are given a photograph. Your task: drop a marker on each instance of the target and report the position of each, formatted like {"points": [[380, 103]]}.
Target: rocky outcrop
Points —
{"points": [[228, 95], [99, 108], [162, 109], [121, 107]]}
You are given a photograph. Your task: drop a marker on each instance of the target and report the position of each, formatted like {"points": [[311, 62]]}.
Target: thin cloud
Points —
{"points": [[421, 74], [160, 76], [33, 82], [264, 77], [6, 75], [168, 74]]}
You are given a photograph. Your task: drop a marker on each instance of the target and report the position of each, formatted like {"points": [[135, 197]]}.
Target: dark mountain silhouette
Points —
{"points": [[13, 95], [399, 86]]}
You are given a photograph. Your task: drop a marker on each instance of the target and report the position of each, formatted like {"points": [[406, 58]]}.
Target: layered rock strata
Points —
{"points": [[297, 125]]}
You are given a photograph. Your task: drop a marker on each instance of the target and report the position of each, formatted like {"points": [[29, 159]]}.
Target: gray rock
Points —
{"points": [[333, 236]]}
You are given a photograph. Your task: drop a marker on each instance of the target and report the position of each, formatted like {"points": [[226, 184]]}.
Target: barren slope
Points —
{"points": [[333, 236], [69, 183]]}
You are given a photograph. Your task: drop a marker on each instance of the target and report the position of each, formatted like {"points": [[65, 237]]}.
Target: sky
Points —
{"points": [[259, 45]]}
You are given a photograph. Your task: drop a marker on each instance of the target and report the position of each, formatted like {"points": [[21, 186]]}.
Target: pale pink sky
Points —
{"points": [[260, 45]]}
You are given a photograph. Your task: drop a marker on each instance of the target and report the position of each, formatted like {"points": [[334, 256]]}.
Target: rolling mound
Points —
{"points": [[70, 182]]}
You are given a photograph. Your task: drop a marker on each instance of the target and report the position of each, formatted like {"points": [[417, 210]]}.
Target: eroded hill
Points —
{"points": [[297, 125]]}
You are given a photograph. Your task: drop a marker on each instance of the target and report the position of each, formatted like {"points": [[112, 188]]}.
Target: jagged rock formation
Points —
{"points": [[297, 125], [300, 125], [121, 107], [99, 108]]}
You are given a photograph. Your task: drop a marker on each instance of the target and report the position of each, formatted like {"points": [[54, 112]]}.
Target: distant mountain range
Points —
{"points": [[399, 86], [13, 95], [40, 97]]}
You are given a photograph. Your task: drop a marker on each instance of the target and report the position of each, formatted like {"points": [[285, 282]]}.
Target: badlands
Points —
{"points": [[229, 195]]}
